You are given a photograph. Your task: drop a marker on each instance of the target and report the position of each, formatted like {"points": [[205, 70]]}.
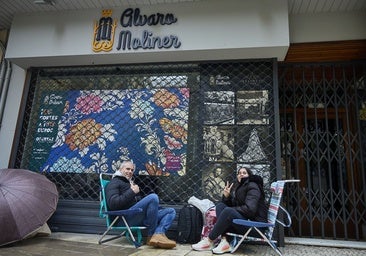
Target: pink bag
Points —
{"points": [[209, 222]]}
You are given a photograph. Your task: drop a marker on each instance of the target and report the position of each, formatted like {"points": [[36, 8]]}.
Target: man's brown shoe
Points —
{"points": [[148, 240], [161, 241]]}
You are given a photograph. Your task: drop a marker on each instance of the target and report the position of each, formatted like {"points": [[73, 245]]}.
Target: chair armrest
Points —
{"points": [[288, 217], [286, 181], [127, 212]]}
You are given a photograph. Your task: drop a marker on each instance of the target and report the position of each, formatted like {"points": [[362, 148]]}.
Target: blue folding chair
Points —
{"points": [[125, 229], [274, 206]]}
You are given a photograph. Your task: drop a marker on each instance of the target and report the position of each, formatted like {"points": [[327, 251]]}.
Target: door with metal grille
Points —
{"points": [[321, 138]]}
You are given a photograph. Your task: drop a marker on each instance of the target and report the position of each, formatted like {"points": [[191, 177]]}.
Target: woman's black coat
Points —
{"points": [[248, 198]]}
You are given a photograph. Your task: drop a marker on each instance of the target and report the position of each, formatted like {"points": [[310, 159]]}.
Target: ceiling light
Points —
{"points": [[45, 2]]}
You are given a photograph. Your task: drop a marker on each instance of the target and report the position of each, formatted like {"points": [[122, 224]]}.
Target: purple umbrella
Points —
{"points": [[27, 201]]}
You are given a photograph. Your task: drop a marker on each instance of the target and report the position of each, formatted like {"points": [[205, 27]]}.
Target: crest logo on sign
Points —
{"points": [[104, 30]]}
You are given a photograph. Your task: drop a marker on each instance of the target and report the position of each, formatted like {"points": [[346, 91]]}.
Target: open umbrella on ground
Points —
{"points": [[27, 201]]}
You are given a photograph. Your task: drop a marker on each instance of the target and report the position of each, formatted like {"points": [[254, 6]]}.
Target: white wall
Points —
{"points": [[11, 112], [232, 29], [327, 27]]}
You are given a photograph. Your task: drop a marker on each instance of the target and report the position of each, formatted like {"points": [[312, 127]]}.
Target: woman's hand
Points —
{"points": [[227, 189]]}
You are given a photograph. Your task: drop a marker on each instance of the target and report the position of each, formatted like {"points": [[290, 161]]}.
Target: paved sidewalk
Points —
{"points": [[71, 244]]}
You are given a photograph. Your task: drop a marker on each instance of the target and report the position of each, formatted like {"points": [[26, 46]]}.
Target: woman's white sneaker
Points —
{"points": [[203, 245], [222, 247]]}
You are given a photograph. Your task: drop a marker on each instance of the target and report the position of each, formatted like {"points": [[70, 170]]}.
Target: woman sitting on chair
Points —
{"points": [[243, 199], [122, 193]]}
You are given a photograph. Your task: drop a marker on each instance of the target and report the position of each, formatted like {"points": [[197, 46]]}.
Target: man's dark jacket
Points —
{"points": [[119, 194], [247, 197]]}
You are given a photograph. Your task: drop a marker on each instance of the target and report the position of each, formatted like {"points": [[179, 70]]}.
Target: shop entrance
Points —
{"points": [[321, 144], [325, 170]]}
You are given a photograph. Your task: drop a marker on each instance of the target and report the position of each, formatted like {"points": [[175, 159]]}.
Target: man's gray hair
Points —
{"points": [[125, 162]]}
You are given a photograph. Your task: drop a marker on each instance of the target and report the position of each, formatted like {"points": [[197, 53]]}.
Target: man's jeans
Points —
{"points": [[156, 219]]}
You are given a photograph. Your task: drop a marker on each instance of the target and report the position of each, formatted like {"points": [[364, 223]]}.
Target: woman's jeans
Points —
{"points": [[224, 223], [156, 219]]}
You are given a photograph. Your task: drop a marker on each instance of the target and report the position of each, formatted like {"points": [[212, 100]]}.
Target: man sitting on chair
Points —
{"points": [[122, 193]]}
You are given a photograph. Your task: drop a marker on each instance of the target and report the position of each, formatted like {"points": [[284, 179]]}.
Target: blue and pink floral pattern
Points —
{"points": [[99, 129]]}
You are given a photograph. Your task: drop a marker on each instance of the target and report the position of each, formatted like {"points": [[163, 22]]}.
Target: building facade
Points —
{"points": [[191, 91]]}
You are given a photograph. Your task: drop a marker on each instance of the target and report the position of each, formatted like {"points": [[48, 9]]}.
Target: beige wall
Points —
{"points": [[323, 27], [13, 100], [3, 40]]}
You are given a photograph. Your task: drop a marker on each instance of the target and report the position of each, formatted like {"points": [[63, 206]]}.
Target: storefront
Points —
{"points": [[190, 94]]}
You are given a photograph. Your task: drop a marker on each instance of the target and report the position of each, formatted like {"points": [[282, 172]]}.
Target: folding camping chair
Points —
{"points": [[274, 206], [121, 214]]}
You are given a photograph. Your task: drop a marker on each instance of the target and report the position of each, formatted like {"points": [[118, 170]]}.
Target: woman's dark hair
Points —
{"points": [[249, 171]]}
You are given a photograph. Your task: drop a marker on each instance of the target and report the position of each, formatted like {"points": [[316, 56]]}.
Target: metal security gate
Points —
{"points": [[195, 124], [323, 131]]}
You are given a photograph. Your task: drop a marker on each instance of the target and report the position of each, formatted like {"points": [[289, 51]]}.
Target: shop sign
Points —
{"points": [[105, 29]]}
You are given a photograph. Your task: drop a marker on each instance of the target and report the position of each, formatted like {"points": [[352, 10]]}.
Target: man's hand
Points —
{"points": [[135, 188]]}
